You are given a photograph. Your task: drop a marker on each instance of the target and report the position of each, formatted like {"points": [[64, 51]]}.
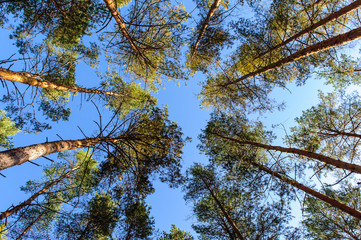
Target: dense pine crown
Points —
{"points": [[116, 55]]}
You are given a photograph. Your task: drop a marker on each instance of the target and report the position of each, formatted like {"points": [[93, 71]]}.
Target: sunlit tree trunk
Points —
{"points": [[17, 156], [328, 160], [123, 28], [332, 16], [34, 196], [326, 44], [224, 211], [353, 212], [33, 80], [205, 24]]}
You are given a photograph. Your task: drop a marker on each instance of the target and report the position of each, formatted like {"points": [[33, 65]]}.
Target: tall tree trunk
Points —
{"points": [[226, 228], [326, 44], [35, 195], [205, 24], [29, 226], [123, 28], [225, 213], [17, 156], [356, 4], [339, 133], [33, 80], [341, 206], [328, 160]]}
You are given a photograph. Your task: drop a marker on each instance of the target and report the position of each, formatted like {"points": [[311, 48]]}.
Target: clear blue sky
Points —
{"points": [[168, 206]]}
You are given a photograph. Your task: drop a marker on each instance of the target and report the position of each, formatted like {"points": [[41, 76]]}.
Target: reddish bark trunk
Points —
{"points": [[328, 160], [329, 18], [205, 24], [326, 44], [123, 28], [333, 202]]}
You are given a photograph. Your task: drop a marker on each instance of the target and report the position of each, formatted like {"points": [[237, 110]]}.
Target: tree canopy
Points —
{"points": [[63, 59]]}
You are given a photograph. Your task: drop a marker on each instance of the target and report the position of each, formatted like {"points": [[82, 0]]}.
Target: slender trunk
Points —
{"points": [[226, 228], [17, 156], [34, 196], [29, 226], [342, 133], [225, 213], [326, 44], [205, 24], [328, 160], [123, 28], [33, 80], [356, 4], [341, 206]]}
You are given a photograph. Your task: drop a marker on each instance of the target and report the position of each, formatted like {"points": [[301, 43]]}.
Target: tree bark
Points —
{"points": [[328, 160], [225, 213], [205, 24], [123, 28], [35, 195], [17, 156], [333, 202], [33, 80], [29, 226], [356, 4], [226, 228], [326, 44], [338, 133]]}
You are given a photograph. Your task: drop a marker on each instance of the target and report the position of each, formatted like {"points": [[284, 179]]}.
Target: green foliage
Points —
{"points": [[139, 224], [267, 29], [102, 215], [107, 199], [209, 50], [237, 126], [157, 32], [3, 231], [63, 22], [325, 222], [153, 147], [132, 96], [23, 119], [341, 72], [331, 127], [176, 234], [42, 216], [7, 129], [96, 221], [241, 192]]}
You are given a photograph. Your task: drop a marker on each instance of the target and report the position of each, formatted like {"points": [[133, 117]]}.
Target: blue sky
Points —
{"points": [[168, 206]]}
